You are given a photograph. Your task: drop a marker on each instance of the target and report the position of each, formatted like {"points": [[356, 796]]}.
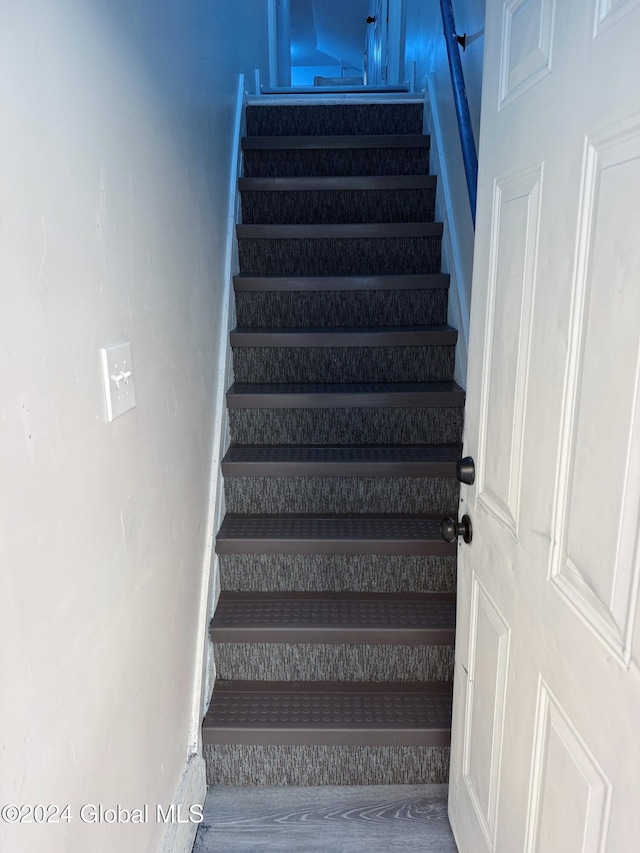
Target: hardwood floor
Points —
{"points": [[359, 819]]}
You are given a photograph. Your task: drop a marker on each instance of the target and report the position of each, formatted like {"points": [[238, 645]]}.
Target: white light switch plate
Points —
{"points": [[117, 372]]}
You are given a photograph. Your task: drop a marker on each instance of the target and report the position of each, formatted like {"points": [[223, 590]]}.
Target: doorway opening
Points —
{"points": [[323, 46]]}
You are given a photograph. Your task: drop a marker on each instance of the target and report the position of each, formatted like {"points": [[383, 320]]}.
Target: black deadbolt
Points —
{"points": [[466, 471]]}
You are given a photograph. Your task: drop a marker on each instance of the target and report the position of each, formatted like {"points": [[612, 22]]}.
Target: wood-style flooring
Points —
{"points": [[363, 819]]}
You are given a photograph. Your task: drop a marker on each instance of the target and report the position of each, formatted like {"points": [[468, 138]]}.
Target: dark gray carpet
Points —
{"points": [[343, 364], [338, 572], [300, 662], [339, 256], [346, 426], [425, 495], [326, 765], [330, 206], [335, 162], [297, 310], [334, 119]]}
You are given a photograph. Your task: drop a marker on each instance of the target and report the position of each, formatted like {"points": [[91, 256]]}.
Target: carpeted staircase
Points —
{"points": [[335, 626]]}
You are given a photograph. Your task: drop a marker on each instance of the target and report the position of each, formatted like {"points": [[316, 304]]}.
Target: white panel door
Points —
{"points": [[546, 729]]}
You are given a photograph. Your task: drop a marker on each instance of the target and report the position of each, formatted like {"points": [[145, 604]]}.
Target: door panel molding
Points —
{"points": [[597, 569], [558, 750], [525, 51], [488, 662], [510, 303], [610, 12]]}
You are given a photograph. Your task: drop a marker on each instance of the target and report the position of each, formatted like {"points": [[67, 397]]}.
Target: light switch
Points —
{"points": [[117, 371]]}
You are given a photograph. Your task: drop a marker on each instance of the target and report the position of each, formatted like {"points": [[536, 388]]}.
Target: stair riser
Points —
{"points": [[338, 308], [346, 426], [334, 119], [343, 364], [429, 496], [300, 662], [337, 572], [335, 162], [311, 206], [339, 256], [326, 765]]}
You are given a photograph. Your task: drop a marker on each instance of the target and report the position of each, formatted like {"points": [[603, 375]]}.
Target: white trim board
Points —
{"points": [[273, 48], [192, 791], [395, 43], [204, 675]]}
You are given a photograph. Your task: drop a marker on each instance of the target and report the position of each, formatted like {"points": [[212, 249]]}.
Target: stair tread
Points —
{"points": [[350, 230], [415, 281], [347, 525], [352, 395], [432, 335], [407, 140], [338, 182], [365, 533], [341, 461], [340, 713], [335, 618]]}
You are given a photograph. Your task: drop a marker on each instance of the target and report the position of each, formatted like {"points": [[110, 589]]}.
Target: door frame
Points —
{"points": [[279, 24]]}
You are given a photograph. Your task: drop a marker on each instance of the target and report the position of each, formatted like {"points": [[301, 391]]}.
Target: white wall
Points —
{"points": [[341, 29], [425, 46], [114, 163]]}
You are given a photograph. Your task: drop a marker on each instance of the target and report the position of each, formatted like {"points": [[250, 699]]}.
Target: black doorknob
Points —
{"points": [[466, 470], [371, 19], [451, 529]]}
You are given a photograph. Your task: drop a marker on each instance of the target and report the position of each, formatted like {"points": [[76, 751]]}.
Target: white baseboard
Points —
{"points": [[191, 793]]}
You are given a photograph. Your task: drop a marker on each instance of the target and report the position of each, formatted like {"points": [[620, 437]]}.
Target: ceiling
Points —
{"points": [[323, 32]]}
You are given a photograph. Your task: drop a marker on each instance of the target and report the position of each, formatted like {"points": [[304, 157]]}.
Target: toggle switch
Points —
{"points": [[117, 372]]}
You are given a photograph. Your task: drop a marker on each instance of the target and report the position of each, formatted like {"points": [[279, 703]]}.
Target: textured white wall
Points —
{"points": [[114, 163]]}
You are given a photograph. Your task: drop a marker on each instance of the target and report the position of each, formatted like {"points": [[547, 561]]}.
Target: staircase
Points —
{"points": [[335, 626]]}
